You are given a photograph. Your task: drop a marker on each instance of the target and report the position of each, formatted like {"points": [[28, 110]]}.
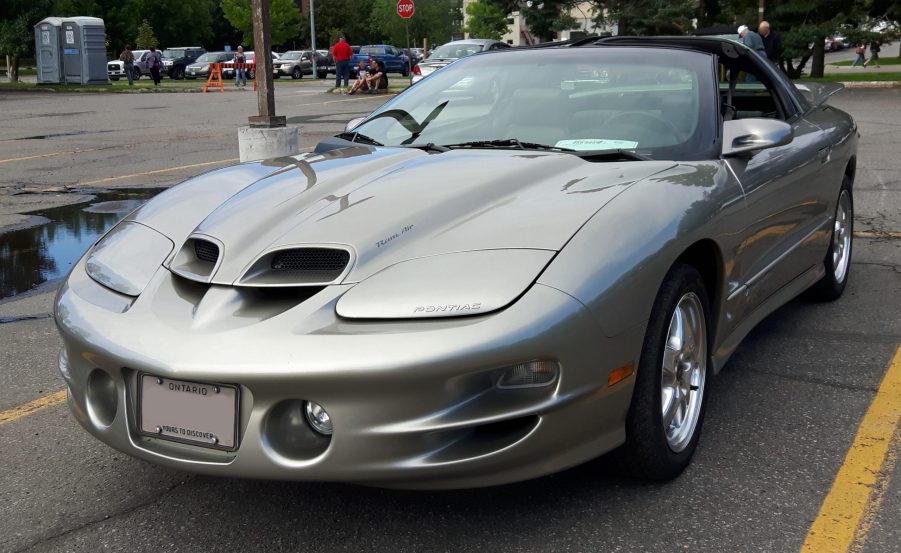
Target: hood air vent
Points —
{"points": [[197, 259], [329, 262], [298, 267], [206, 251]]}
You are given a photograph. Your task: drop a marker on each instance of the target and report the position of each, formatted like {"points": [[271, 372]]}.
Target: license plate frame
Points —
{"points": [[177, 401]]}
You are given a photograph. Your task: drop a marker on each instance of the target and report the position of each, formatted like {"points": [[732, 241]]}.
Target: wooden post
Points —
{"points": [[760, 6], [262, 46]]}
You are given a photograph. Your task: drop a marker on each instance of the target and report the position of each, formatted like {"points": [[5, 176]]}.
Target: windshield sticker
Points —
{"points": [[596, 144]]}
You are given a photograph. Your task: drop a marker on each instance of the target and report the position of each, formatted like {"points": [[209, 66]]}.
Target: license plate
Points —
{"points": [[195, 413]]}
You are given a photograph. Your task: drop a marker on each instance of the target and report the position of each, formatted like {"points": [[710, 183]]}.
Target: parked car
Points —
{"points": [[325, 64], [453, 51], [229, 72], [115, 69], [200, 69], [294, 64], [176, 60], [393, 59], [509, 269]]}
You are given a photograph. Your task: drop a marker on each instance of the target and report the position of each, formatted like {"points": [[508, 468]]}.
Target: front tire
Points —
{"points": [[668, 402], [838, 258], [136, 74], [297, 73], [177, 73]]}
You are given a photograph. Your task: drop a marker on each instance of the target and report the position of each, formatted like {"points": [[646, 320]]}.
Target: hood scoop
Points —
{"points": [[302, 266]]}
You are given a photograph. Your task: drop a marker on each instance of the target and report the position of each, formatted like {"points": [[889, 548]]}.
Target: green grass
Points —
{"points": [[144, 85], [882, 61], [862, 76]]}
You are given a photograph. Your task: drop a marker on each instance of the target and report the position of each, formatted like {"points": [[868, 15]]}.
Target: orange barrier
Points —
{"points": [[215, 80]]}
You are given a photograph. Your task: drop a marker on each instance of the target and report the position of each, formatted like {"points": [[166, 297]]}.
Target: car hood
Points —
{"points": [[388, 205]]}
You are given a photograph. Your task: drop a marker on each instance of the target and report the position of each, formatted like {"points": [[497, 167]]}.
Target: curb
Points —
{"points": [[871, 84]]}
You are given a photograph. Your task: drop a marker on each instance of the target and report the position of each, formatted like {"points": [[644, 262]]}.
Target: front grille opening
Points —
{"points": [[206, 251], [326, 263]]}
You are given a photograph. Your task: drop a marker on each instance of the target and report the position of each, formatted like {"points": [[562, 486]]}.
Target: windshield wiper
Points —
{"points": [[429, 147], [507, 143], [360, 138]]}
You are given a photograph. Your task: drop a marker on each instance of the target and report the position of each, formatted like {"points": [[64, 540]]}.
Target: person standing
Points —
{"points": [[342, 52], [874, 54], [154, 62], [861, 52], [240, 67], [752, 40], [128, 62], [772, 42]]}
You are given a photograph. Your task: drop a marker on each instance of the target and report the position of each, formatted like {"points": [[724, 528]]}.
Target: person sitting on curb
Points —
{"points": [[361, 83], [378, 79]]}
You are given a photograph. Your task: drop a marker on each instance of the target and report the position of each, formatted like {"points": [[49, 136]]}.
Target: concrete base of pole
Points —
{"points": [[255, 143]]}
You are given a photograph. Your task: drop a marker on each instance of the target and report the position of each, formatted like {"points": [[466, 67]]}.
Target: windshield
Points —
{"points": [[658, 103], [173, 53], [372, 50], [457, 50], [291, 56]]}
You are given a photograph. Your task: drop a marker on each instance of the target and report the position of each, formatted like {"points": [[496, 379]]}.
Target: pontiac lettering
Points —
{"points": [[449, 308]]}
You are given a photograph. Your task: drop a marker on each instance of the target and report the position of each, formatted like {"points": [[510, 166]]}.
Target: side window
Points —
{"points": [[755, 94]]}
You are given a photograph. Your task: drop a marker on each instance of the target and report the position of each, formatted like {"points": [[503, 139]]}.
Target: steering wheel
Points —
{"points": [[655, 121]]}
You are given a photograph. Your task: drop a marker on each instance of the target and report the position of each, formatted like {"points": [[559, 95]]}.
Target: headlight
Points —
{"points": [[167, 63], [127, 257], [448, 285]]}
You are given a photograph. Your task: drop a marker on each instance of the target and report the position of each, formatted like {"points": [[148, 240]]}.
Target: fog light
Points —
{"points": [[318, 418], [529, 375]]}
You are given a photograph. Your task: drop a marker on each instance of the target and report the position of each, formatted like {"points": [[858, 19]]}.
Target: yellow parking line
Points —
{"points": [[17, 413], [863, 476], [47, 155], [158, 171], [876, 234]]}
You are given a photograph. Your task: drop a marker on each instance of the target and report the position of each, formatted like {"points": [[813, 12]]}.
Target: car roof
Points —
{"points": [[482, 41]]}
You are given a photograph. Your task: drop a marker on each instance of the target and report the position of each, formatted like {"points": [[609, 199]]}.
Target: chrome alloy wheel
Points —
{"points": [[841, 237], [684, 372]]}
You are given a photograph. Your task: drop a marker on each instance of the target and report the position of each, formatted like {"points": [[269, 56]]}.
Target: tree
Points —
{"points": [[436, 20], [146, 39], [650, 17], [486, 21], [285, 19], [17, 21], [348, 18]]}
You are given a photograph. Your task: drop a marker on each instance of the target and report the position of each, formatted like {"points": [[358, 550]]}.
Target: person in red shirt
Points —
{"points": [[342, 52]]}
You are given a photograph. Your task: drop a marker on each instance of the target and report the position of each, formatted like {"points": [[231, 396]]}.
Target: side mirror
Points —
{"points": [[353, 123], [750, 135]]}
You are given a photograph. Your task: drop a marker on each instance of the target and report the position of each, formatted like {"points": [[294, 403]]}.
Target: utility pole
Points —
{"points": [[760, 7], [262, 45], [313, 36], [268, 135]]}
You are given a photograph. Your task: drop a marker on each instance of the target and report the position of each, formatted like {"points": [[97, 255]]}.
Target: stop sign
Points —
{"points": [[405, 8]]}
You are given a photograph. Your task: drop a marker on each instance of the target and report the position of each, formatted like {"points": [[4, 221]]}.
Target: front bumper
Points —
{"points": [[413, 403]]}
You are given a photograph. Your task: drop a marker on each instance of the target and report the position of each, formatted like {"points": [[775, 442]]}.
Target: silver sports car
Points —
{"points": [[532, 258]]}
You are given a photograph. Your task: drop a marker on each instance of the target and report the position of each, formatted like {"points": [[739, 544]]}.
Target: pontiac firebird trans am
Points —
{"points": [[526, 260]]}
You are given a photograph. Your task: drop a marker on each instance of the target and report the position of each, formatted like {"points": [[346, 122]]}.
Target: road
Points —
{"points": [[783, 415]]}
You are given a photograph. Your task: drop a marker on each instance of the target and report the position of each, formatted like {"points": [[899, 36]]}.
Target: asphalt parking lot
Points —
{"points": [[783, 417]]}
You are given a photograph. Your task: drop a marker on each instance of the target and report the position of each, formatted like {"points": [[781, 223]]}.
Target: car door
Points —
{"points": [[785, 210]]}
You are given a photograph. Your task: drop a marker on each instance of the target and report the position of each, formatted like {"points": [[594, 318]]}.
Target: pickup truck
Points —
{"points": [[392, 58]]}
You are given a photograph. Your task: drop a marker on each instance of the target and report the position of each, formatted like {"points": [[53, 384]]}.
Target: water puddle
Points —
{"points": [[32, 256]]}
